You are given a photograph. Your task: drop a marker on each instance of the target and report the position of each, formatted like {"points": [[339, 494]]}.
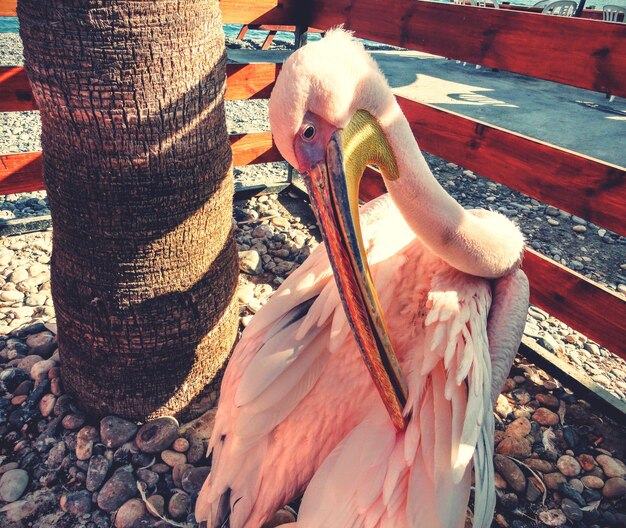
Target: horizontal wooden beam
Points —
{"points": [[588, 307], [277, 12], [245, 81], [585, 53], [579, 184], [24, 172]]}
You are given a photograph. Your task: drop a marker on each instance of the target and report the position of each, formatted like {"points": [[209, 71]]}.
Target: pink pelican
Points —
{"points": [[371, 393]]}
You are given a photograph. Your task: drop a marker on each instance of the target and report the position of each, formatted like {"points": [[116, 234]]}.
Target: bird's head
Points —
{"points": [[329, 111]]}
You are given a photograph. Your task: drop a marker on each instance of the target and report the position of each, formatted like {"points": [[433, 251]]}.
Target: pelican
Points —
{"points": [[372, 392]]}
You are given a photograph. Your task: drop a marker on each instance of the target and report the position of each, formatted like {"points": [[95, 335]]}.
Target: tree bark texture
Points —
{"points": [[137, 166]]}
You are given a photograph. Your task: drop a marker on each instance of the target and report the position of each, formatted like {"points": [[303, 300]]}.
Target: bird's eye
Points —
{"points": [[308, 132]]}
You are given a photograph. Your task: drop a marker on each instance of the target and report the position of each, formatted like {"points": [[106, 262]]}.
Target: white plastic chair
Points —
{"points": [[561, 8], [610, 13], [541, 3]]}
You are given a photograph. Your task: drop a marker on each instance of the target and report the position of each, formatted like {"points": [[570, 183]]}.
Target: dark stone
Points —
{"points": [[37, 394], [157, 435], [10, 378], [570, 436], [25, 331], [591, 495], [571, 510], [149, 477], [96, 472], [63, 405], [45, 351], [123, 454], [117, 490], [77, 503], [568, 491], [509, 501], [115, 431], [141, 459], [194, 478], [29, 461]]}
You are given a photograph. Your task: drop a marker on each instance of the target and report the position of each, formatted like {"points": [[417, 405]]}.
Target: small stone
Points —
{"points": [[115, 431], [84, 442], [509, 501], [545, 417], [160, 468], [537, 464], [179, 505], [534, 489], [12, 484], [518, 428], [592, 482], [194, 478], [499, 481], [281, 517], [77, 503], [39, 371], [586, 461], [149, 477], [129, 513], [554, 480], [178, 472], [577, 485], [157, 435], [511, 472], [612, 467], [11, 296], [568, 465], [567, 490], [173, 458], [71, 422], [250, 262], [548, 400], [46, 405], [579, 228], [156, 506], [553, 222], [97, 472], [117, 490], [26, 364], [40, 338], [571, 510], [521, 396], [515, 447], [181, 445], [197, 449], [614, 487], [552, 517], [503, 407], [56, 455]]}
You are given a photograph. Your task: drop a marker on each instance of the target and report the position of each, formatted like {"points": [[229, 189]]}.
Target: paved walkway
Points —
{"points": [[576, 119]]}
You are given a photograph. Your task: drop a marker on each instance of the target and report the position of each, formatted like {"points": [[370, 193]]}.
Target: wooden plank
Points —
{"points": [[588, 307], [581, 185], [245, 81], [24, 172], [249, 149], [250, 81], [8, 8], [21, 173], [15, 91], [580, 303], [233, 11], [268, 40], [277, 12], [585, 53]]}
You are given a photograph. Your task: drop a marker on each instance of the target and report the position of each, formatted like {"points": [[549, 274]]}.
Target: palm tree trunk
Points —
{"points": [[137, 165]]}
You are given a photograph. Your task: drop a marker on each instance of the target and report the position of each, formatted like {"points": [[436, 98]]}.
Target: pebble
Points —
{"points": [[592, 482], [548, 400], [194, 478], [515, 447], [614, 487], [77, 503], [519, 427], [156, 505], [612, 467], [97, 472], [569, 466], [511, 472], [250, 262], [129, 513], [537, 464], [552, 517], [177, 473], [12, 484], [571, 510], [179, 505], [73, 421], [554, 480], [545, 417], [84, 442], [181, 445], [157, 435], [173, 458], [46, 404], [117, 490], [115, 431]]}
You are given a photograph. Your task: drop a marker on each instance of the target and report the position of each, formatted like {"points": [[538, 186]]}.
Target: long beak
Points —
{"points": [[334, 196]]}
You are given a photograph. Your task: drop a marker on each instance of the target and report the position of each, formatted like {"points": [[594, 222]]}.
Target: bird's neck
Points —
{"points": [[481, 243]]}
